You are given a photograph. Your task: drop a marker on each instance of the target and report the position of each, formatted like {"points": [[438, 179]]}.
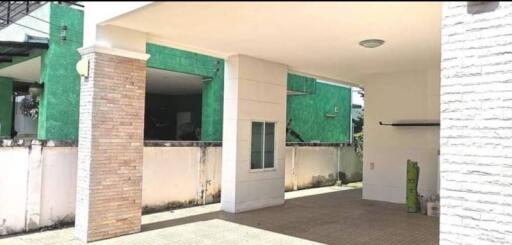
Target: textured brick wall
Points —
{"points": [[476, 126], [110, 148]]}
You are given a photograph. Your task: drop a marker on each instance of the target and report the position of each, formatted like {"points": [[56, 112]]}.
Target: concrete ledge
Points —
{"points": [[316, 144], [30, 142], [166, 143], [149, 143]]}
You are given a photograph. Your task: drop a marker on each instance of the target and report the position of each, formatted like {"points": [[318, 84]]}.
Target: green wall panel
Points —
{"points": [[308, 112], [5, 107], [301, 84], [59, 105], [171, 59]]}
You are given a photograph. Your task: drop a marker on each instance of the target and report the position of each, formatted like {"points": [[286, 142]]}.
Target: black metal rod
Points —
{"points": [[12, 44], [8, 11], [410, 124], [15, 54]]}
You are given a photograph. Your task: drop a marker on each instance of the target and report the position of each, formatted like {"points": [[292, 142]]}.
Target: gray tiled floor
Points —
{"points": [[338, 217]]}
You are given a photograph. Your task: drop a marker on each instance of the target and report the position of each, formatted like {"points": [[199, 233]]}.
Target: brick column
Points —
{"points": [[109, 179], [476, 122]]}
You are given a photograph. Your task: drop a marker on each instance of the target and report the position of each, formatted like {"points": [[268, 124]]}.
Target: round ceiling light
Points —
{"points": [[371, 43]]}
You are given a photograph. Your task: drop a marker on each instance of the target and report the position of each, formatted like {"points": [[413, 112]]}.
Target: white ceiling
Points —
{"points": [[172, 83], [26, 71], [318, 38]]}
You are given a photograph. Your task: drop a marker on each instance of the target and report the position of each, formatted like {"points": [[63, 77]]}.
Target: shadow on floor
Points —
{"points": [[333, 218]]}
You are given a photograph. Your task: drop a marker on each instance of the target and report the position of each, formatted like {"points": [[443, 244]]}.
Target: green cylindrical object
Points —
{"points": [[413, 172]]}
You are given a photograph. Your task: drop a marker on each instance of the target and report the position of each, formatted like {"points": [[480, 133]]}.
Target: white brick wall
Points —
{"points": [[476, 126]]}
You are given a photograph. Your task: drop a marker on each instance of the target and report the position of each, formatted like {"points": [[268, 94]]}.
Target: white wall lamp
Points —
{"points": [[82, 67], [35, 90]]}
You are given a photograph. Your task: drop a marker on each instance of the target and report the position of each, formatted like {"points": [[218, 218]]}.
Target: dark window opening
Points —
{"points": [[173, 108], [23, 122]]}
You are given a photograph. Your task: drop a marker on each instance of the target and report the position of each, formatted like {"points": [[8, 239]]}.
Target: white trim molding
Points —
{"points": [[113, 51]]}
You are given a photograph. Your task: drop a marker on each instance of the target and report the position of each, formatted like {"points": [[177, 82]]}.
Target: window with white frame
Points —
{"points": [[262, 145]]}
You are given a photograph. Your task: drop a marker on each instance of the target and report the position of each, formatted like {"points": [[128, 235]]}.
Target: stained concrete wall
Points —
{"points": [[40, 182], [314, 166], [175, 176]]}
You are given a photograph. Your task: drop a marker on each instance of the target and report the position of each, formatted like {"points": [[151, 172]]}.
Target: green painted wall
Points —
{"points": [[59, 105], [308, 111], [5, 106], [171, 59], [301, 84]]}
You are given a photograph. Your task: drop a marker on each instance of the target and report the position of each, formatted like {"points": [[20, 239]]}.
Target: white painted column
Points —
{"points": [[34, 181], [254, 90]]}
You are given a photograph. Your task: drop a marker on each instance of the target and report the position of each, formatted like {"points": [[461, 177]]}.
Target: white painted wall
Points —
{"points": [[254, 90], [17, 33], [307, 167], [170, 175], [177, 174], [58, 186], [96, 32], [13, 189], [390, 97]]}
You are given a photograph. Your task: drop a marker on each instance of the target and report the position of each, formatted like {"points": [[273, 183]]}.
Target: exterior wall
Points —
{"points": [[476, 121], [5, 107], [110, 151], [255, 90], [308, 112], [391, 97], [58, 109], [17, 33], [191, 175], [103, 11], [167, 58], [13, 186], [58, 185], [172, 177]]}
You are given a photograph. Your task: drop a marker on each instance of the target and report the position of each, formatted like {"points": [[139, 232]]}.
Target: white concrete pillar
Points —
{"points": [[34, 181], [254, 90]]}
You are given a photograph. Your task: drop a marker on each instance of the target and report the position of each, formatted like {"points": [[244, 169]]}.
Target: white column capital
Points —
{"points": [[113, 51]]}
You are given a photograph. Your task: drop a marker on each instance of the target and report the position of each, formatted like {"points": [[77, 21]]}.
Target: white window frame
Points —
{"points": [[263, 169]]}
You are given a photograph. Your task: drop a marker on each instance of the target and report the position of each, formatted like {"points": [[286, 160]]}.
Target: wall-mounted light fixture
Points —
{"points": [[35, 90], [371, 43], [82, 67], [478, 7]]}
